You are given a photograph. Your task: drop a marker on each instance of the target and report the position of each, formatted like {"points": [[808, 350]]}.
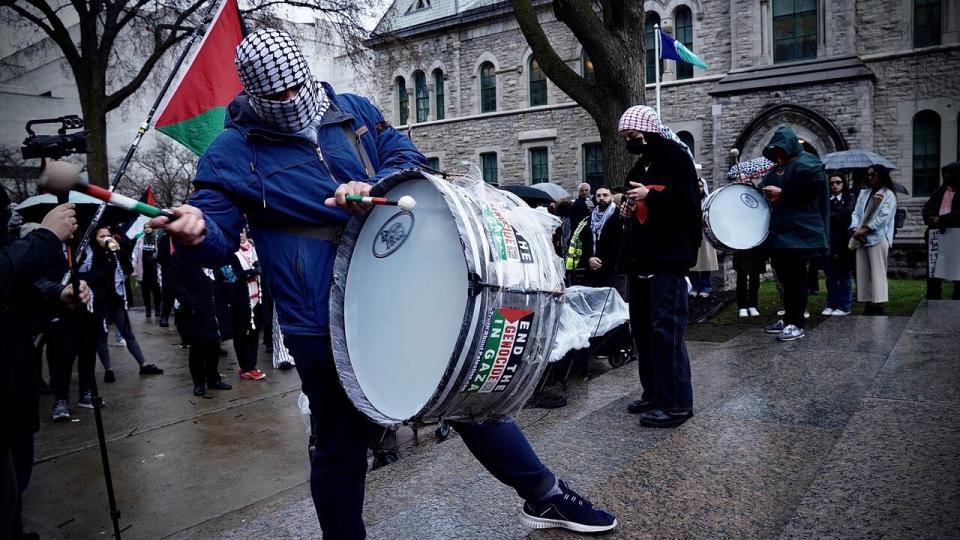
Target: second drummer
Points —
{"points": [[284, 149]]}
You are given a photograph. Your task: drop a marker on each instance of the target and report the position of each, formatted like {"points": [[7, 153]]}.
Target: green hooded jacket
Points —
{"points": [[801, 216]]}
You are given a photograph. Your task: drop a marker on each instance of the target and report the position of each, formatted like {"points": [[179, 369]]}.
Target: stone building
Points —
{"points": [[874, 74]]}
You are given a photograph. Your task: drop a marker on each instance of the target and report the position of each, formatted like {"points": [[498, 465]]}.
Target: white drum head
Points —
{"points": [[404, 300], [739, 216]]}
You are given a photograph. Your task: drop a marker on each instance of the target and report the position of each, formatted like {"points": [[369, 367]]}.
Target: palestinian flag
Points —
{"points": [[134, 228], [193, 110]]}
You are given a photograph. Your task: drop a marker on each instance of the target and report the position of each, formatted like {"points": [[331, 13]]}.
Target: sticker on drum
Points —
{"points": [[505, 242], [392, 234], [749, 200], [505, 343]]}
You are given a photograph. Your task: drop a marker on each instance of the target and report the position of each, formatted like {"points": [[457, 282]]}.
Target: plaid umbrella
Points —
{"points": [[855, 159], [751, 168]]}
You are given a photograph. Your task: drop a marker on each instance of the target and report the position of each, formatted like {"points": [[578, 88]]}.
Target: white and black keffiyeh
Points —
{"points": [[268, 62], [646, 120]]}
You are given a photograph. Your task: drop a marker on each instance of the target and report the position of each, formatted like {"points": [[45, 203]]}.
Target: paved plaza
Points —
{"points": [[849, 433]]}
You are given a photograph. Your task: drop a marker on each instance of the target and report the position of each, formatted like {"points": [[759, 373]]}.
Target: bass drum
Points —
{"points": [[736, 217], [447, 312]]}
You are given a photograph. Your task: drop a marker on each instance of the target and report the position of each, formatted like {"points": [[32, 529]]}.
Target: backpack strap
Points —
{"points": [[354, 138]]}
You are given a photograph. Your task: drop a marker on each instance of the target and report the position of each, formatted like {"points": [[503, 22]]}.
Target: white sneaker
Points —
{"points": [[704, 295], [790, 333], [693, 294], [827, 311], [753, 312], [743, 313], [806, 314], [781, 313], [840, 313]]}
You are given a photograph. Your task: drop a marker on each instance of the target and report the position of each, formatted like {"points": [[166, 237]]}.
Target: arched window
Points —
{"points": [[587, 65], [538, 84], [488, 87], [423, 95], [926, 153], [926, 23], [403, 103], [651, 20], [438, 93], [794, 30], [683, 21], [687, 139]]}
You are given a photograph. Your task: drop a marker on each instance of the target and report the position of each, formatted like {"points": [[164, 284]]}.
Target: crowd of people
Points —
{"points": [[284, 141]]}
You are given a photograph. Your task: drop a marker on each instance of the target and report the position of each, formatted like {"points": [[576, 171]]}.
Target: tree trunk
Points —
{"points": [[93, 103], [616, 160]]}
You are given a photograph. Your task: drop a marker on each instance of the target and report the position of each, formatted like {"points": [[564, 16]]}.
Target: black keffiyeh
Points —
{"points": [[268, 62]]}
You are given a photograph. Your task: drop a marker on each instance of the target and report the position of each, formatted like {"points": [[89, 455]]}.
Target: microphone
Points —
{"points": [[735, 154], [111, 244]]}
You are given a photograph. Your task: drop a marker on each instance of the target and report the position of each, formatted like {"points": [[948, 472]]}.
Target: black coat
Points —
{"points": [[30, 270], [840, 216], [579, 210], [204, 314], [100, 279], [607, 249], [931, 209], [241, 314], [668, 241]]}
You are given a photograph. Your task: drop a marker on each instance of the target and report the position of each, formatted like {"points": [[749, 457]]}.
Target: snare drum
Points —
{"points": [[446, 312], [736, 217]]}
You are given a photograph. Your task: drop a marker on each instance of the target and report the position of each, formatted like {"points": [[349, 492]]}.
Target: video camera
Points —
{"points": [[55, 146]]}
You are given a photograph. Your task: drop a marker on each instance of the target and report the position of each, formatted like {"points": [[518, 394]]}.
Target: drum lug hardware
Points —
{"points": [[476, 284]]}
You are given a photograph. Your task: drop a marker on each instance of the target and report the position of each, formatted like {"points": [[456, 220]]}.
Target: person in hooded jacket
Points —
{"points": [[291, 143], [800, 216], [660, 244]]}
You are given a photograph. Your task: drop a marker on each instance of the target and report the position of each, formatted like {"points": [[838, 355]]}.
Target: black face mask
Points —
{"points": [[636, 146]]}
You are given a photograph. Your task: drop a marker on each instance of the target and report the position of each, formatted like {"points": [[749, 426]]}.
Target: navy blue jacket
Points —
{"points": [[280, 181]]}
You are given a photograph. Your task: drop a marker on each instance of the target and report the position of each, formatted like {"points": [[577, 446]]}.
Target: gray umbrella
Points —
{"points": [[847, 160], [554, 190]]}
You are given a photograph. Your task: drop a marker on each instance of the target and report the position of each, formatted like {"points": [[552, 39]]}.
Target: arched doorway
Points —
{"points": [[818, 133]]}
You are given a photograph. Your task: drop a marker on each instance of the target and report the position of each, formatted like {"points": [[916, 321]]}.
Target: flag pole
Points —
{"points": [[118, 175], [656, 65]]}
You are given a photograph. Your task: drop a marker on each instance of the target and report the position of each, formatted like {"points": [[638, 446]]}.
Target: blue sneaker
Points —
{"points": [[775, 328], [568, 510], [790, 333]]}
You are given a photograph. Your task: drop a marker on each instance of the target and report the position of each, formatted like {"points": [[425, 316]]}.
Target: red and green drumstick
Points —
{"points": [[406, 203], [60, 176]]}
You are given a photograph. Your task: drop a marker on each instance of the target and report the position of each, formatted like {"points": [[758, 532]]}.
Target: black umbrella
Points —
{"points": [[34, 208], [529, 195]]}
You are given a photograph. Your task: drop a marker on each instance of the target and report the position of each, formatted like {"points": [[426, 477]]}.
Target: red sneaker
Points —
{"points": [[253, 375]]}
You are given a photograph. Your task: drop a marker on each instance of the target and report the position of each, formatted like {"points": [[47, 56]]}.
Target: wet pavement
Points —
{"points": [[851, 432]]}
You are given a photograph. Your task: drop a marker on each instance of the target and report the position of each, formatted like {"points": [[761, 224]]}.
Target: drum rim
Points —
{"points": [[705, 221]]}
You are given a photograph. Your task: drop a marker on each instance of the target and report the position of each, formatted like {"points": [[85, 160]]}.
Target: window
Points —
{"points": [[488, 88], [488, 164], [687, 139], [417, 5], [587, 65], [794, 30], [433, 163], [926, 153], [538, 84], [423, 96], [683, 19], [539, 167], [652, 19], [403, 104], [926, 23], [438, 89], [593, 165]]}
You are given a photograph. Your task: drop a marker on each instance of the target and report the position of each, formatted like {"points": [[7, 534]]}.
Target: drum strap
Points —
{"points": [[354, 138]]}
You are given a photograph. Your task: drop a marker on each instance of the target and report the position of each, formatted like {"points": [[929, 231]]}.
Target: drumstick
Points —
{"points": [[406, 203], [736, 156], [61, 176]]}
